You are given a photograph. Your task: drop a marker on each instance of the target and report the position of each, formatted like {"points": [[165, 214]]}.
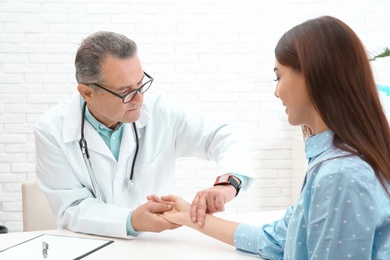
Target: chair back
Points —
{"points": [[37, 214]]}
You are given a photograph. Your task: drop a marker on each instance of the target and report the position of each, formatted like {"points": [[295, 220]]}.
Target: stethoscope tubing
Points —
{"points": [[85, 153], [130, 180]]}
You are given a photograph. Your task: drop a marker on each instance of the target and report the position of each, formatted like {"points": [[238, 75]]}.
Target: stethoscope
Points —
{"points": [[84, 150]]}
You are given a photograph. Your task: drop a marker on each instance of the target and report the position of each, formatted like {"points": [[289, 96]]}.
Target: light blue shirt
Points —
{"points": [[343, 212], [112, 138]]}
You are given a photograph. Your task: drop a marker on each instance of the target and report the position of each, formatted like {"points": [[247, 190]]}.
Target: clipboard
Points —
{"points": [[60, 247]]}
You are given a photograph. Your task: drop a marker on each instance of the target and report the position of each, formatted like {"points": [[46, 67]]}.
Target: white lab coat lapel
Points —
{"points": [[72, 120], [127, 144], [96, 142], [72, 129]]}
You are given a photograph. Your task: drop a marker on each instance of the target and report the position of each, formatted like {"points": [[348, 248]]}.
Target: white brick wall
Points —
{"points": [[216, 55]]}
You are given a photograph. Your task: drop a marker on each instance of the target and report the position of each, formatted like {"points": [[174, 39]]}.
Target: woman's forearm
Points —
{"points": [[218, 228]]}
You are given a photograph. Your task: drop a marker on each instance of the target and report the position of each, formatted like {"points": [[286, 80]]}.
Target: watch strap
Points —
{"points": [[228, 179]]}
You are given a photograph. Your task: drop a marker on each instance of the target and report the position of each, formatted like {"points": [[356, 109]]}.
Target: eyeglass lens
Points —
{"points": [[141, 90]]}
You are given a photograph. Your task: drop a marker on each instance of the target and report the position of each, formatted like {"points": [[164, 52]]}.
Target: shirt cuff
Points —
{"points": [[246, 237], [243, 179], [129, 228]]}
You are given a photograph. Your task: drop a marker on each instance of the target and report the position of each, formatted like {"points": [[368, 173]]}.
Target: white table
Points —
{"points": [[181, 243]]}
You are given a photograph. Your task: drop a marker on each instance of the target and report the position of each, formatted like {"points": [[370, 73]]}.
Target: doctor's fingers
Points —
{"points": [[198, 208], [152, 222], [163, 224], [217, 204], [154, 198], [157, 207], [211, 200]]}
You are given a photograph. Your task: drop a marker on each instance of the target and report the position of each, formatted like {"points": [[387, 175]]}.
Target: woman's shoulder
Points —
{"points": [[350, 174], [346, 166]]}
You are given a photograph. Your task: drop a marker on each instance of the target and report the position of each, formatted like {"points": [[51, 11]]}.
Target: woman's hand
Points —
{"points": [[215, 227], [180, 212]]}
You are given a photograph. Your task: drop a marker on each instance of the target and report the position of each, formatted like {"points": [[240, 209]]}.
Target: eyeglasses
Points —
{"points": [[130, 96]]}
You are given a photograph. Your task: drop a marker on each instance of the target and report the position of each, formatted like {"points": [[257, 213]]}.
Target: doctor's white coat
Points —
{"points": [[166, 130]]}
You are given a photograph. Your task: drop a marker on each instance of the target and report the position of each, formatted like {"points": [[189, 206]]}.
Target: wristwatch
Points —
{"points": [[228, 179]]}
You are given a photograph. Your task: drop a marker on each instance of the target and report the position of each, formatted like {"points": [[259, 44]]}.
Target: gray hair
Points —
{"points": [[95, 48]]}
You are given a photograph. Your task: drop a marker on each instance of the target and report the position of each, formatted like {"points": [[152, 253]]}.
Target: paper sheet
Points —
{"points": [[60, 247]]}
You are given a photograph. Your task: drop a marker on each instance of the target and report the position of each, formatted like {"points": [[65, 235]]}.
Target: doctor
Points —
{"points": [[101, 153]]}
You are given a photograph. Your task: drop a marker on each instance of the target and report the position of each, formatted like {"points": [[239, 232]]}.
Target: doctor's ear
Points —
{"points": [[85, 91]]}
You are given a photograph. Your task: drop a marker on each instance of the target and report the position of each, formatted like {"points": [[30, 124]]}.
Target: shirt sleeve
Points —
{"points": [[209, 138], [129, 227], [243, 179], [268, 241]]}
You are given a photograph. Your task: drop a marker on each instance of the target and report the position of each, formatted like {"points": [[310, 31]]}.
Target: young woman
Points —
{"points": [[325, 82]]}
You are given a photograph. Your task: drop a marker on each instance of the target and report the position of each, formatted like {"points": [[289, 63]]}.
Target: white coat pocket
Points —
{"points": [[152, 178]]}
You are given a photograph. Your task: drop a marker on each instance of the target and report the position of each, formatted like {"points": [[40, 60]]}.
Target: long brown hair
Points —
{"points": [[341, 86]]}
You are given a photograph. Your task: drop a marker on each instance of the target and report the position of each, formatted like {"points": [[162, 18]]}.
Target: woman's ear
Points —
{"points": [[86, 92]]}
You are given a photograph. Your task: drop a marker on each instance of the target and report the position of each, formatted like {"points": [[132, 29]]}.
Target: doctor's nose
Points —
{"points": [[138, 98]]}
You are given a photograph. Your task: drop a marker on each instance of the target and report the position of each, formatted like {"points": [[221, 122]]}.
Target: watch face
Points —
{"points": [[223, 178]]}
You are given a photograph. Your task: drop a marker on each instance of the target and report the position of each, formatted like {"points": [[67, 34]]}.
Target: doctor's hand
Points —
{"points": [[210, 201], [147, 217]]}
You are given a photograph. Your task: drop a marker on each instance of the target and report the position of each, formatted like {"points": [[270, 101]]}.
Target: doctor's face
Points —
{"points": [[120, 76]]}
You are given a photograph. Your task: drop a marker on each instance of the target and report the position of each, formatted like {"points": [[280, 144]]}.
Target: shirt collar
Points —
{"points": [[99, 127], [141, 122], [319, 143]]}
